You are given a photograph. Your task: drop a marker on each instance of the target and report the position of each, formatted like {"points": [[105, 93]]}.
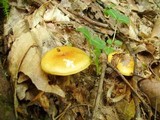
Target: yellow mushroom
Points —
{"points": [[64, 61], [123, 62]]}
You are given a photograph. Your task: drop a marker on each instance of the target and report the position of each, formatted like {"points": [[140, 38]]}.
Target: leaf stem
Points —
{"points": [[115, 31]]}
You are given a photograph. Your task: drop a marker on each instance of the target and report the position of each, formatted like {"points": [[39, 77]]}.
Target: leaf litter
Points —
{"points": [[55, 23]]}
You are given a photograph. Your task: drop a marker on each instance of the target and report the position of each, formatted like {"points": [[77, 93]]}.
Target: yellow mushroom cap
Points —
{"points": [[110, 56], [126, 65], [123, 62], [64, 60]]}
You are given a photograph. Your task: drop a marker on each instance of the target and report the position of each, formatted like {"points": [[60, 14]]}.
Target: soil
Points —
{"points": [[6, 100]]}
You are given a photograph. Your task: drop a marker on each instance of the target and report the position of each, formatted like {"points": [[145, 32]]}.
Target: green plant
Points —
{"points": [[99, 45], [5, 6], [117, 15]]}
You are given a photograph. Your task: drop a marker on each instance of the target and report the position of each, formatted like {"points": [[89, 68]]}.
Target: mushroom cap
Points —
{"points": [[110, 56], [64, 60], [123, 62], [126, 65]]}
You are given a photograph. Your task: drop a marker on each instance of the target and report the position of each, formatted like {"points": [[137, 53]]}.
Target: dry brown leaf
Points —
{"points": [[132, 5], [21, 90], [54, 14], [22, 56], [79, 95], [15, 16], [31, 67], [22, 78], [144, 30], [156, 29], [31, 93], [37, 16], [96, 12], [139, 48], [65, 3], [142, 69], [109, 112], [20, 28], [126, 109], [44, 38], [145, 57], [151, 88], [150, 47], [18, 52], [44, 101], [155, 68], [133, 32], [79, 5]]}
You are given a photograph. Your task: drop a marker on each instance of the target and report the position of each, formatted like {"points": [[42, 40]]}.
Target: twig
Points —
{"points": [[136, 93], [138, 111], [90, 20], [62, 114], [115, 31], [127, 44], [135, 98], [70, 15], [100, 87]]}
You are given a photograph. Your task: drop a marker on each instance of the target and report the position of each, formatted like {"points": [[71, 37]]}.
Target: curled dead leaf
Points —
{"points": [[21, 90], [54, 14], [31, 67], [25, 57], [37, 16], [156, 28], [155, 68], [18, 51], [151, 88]]}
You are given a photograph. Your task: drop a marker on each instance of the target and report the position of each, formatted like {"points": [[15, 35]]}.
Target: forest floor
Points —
{"points": [[121, 40]]}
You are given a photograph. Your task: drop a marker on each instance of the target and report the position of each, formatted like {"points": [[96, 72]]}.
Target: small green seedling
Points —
{"points": [[117, 15], [99, 45]]}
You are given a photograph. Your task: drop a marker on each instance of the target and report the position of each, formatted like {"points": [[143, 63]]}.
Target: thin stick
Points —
{"points": [[136, 93], [90, 20], [63, 113], [115, 31], [100, 87]]}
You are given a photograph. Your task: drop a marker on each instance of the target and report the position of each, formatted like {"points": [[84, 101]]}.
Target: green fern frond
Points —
{"points": [[5, 5]]}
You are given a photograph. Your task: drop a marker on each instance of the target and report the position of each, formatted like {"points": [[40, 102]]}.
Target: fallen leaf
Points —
{"points": [[156, 29], [133, 31], [151, 88], [79, 5], [126, 109], [109, 112], [145, 57], [31, 67], [54, 14], [144, 30], [25, 57], [37, 16], [79, 95], [22, 78], [21, 90], [15, 16], [65, 3], [155, 68], [18, 51], [44, 101], [45, 38], [20, 28]]}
